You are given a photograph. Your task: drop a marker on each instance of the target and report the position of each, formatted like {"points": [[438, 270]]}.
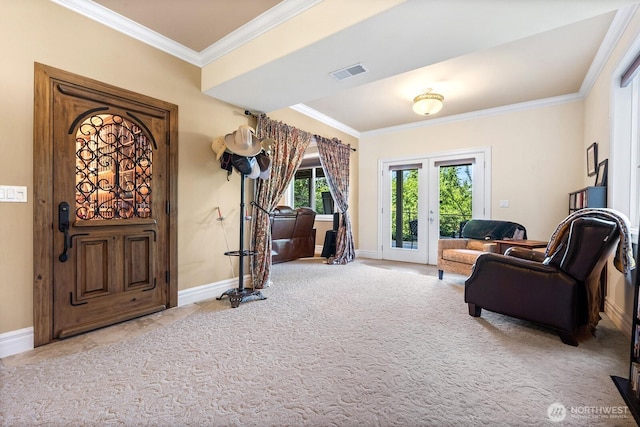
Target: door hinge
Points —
{"points": [[168, 207], [167, 276]]}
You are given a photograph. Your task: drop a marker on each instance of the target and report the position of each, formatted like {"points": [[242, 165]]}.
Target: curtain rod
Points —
{"points": [[336, 142], [249, 113], [255, 116]]}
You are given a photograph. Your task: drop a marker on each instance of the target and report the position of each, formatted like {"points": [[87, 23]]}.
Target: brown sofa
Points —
{"points": [[458, 255], [292, 234]]}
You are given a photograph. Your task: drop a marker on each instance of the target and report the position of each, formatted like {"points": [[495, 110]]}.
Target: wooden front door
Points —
{"points": [[104, 187]]}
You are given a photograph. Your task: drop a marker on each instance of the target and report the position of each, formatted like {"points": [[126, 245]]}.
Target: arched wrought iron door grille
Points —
{"points": [[113, 169]]}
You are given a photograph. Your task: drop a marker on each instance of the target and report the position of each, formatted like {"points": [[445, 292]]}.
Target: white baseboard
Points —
{"points": [[15, 342], [212, 290], [21, 340], [367, 254], [618, 317]]}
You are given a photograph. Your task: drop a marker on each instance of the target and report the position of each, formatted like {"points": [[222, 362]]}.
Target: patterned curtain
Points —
{"points": [[286, 155], [334, 157]]}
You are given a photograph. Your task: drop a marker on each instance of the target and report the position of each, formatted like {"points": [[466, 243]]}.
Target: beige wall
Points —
{"points": [[41, 31], [538, 155], [536, 160]]}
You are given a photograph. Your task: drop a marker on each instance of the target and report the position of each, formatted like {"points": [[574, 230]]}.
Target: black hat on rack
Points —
{"points": [[264, 162], [243, 164]]}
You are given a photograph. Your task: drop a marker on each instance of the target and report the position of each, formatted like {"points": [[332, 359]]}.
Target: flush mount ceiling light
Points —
{"points": [[427, 103]]}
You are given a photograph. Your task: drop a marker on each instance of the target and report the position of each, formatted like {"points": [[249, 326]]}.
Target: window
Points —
{"points": [[625, 142], [310, 189], [635, 154]]}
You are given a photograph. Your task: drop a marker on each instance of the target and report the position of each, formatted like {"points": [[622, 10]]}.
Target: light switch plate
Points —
{"points": [[13, 193]]}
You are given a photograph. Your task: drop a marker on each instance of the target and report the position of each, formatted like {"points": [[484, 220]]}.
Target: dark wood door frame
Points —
{"points": [[43, 155]]}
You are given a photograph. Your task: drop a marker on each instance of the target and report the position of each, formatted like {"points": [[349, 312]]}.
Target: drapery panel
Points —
{"points": [[286, 154], [334, 157]]}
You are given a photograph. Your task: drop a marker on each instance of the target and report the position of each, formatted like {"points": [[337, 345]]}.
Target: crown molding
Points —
{"points": [[322, 118], [275, 16], [618, 26], [270, 19], [539, 103], [132, 29], [529, 105]]}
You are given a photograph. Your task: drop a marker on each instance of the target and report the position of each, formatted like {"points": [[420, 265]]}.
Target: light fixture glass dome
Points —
{"points": [[428, 103]]}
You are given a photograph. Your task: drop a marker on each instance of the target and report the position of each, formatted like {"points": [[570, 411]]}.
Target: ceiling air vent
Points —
{"points": [[350, 71]]}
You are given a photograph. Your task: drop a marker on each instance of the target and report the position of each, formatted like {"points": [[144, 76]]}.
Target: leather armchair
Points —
{"points": [[557, 290], [293, 234], [458, 255]]}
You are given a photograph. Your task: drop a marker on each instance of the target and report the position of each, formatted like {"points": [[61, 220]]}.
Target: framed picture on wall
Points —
{"points": [[592, 159], [601, 177]]}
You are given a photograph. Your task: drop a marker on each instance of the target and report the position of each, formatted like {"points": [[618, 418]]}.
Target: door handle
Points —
{"points": [[63, 227]]}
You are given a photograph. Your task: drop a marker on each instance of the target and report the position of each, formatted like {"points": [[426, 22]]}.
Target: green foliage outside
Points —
{"points": [[300, 193], [455, 198], [409, 184], [303, 186], [321, 186]]}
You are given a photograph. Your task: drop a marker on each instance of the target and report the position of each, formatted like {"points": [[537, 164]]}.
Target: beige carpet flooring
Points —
{"points": [[366, 344]]}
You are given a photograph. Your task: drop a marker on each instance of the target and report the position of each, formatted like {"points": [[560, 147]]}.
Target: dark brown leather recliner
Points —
{"points": [[293, 234], [557, 291]]}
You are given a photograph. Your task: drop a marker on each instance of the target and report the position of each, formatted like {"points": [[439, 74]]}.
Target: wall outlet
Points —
{"points": [[504, 203]]}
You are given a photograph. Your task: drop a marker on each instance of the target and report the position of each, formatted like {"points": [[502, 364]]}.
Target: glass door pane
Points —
{"points": [[404, 209], [456, 191], [404, 223]]}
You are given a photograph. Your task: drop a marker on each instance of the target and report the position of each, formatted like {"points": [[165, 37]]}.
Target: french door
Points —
{"points": [[404, 211], [472, 169], [413, 214]]}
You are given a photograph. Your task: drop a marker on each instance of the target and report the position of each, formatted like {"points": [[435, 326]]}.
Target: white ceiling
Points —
{"points": [[479, 54]]}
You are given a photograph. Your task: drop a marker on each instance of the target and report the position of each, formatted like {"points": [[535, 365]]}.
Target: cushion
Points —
{"points": [[476, 245], [466, 256]]}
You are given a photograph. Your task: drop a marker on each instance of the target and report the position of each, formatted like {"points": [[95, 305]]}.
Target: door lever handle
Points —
{"points": [[63, 227]]}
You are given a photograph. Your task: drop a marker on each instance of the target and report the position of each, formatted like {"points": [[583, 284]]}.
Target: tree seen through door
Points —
{"points": [[404, 208], [455, 198]]}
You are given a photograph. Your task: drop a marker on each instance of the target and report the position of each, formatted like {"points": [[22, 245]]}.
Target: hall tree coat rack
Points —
{"points": [[241, 294]]}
